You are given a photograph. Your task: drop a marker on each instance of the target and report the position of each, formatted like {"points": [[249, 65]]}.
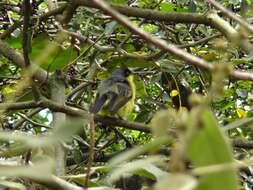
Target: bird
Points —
{"points": [[115, 94]]}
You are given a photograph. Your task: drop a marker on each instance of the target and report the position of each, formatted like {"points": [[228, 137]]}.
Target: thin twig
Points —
{"points": [[33, 122]]}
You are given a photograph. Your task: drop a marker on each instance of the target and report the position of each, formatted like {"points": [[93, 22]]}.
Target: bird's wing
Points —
{"points": [[98, 103], [124, 90], [115, 90], [119, 105], [124, 94]]}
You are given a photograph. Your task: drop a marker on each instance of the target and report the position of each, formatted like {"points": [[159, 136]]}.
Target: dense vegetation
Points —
{"points": [[189, 125]]}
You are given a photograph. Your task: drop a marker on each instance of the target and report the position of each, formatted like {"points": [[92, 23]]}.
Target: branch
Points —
{"points": [[232, 34], [72, 111], [231, 15], [18, 60], [32, 122], [170, 48], [26, 33], [152, 14], [28, 115], [57, 87], [42, 17], [98, 118], [122, 123], [242, 144]]}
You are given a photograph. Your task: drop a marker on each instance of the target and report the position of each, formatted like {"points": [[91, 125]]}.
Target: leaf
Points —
{"points": [[62, 133], [56, 59], [176, 182], [151, 171], [15, 149], [208, 147], [12, 185], [167, 7], [241, 113], [15, 42], [150, 28], [140, 88], [109, 28], [128, 155], [240, 123], [133, 166], [132, 62], [161, 122], [101, 188], [81, 180], [45, 169]]}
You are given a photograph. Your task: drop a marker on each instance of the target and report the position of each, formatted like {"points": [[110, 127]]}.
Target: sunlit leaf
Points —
{"points": [[12, 185], [241, 113], [128, 155], [152, 172], [177, 182], [168, 7], [210, 146], [132, 166], [161, 122]]}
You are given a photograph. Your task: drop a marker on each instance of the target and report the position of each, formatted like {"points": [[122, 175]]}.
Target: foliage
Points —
{"points": [[183, 131]]}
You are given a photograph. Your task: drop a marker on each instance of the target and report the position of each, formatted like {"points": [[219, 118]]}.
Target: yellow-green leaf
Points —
{"points": [[241, 113], [209, 147]]}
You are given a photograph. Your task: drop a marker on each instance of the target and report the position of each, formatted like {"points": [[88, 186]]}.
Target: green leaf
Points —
{"points": [[239, 123], [168, 7], [131, 167], [152, 172], [45, 169], [132, 62], [62, 133], [118, 1], [14, 42], [128, 155], [15, 149], [12, 185], [208, 147], [177, 182], [140, 88], [56, 59], [81, 179]]}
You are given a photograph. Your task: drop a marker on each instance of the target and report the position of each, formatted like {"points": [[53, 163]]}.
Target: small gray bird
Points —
{"points": [[113, 93]]}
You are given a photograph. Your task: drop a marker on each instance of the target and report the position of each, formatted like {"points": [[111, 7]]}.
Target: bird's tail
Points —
{"points": [[98, 104]]}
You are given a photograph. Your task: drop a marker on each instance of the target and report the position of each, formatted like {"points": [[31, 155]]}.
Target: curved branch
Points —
{"points": [[163, 45], [18, 60], [152, 14], [231, 15]]}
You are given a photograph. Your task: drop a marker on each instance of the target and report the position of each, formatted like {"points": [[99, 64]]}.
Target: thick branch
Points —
{"points": [[98, 118], [18, 60], [57, 88], [231, 15], [163, 45], [152, 14], [232, 34]]}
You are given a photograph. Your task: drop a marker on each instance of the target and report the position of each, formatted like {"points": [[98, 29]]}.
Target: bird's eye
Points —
{"points": [[128, 72]]}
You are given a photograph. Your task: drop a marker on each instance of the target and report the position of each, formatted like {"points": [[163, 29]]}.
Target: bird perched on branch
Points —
{"points": [[115, 94]]}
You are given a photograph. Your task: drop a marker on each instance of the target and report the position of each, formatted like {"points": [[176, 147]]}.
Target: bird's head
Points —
{"points": [[125, 72]]}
